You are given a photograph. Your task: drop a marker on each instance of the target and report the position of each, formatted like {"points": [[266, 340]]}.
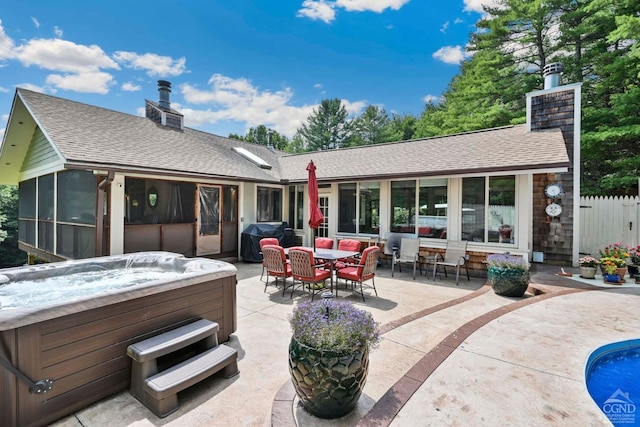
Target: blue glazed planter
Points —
{"points": [[612, 278]]}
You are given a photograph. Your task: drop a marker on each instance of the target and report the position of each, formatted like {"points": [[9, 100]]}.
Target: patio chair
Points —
{"points": [[409, 252], [393, 241], [324, 243], [305, 270], [348, 245], [264, 242], [276, 265], [455, 255], [363, 271]]}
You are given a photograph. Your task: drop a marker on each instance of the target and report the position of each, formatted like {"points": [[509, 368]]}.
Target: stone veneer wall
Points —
{"points": [[554, 236]]}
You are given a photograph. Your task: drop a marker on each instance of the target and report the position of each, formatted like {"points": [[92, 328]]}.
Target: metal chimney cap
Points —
{"points": [[164, 88], [552, 75], [553, 68]]}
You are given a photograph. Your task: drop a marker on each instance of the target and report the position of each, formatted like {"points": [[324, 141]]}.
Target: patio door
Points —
{"points": [[323, 202], [208, 227]]}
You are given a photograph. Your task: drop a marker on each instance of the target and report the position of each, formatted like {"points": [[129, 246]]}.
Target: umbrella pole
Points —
{"points": [[315, 233]]}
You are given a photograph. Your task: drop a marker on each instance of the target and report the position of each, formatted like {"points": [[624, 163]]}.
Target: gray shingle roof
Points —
{"points": [[509, 148], [105, 138]]}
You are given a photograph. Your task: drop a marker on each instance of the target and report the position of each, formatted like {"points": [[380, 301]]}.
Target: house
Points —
{"points": [[94, 182]]}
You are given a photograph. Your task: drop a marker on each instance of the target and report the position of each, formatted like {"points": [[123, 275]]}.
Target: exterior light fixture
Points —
{"points": [[327, 302]]}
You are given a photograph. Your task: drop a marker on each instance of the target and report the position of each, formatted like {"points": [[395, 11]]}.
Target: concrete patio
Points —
{"points": [[450, 355]]}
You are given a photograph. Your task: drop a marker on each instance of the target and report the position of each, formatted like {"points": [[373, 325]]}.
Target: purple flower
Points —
{"points": [[347, 327], [507, 260]]}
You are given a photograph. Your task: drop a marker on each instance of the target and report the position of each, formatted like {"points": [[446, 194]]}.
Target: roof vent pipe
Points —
{"points": [[164, 88], [552, 75], [269, 143]]}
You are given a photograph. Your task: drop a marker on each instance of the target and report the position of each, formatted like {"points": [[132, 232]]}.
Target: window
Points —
{"points": [[432, 208], [430, 205], [488, 209], [75, 231], [296, 206], [347, 208], [77, 197], [269, 204], [27, 212], [369, 215], [403, 206], [359, 207], [45, 212]]}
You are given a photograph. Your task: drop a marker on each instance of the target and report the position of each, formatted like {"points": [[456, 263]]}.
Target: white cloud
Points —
{"points": [[444, 27], [4, 89], [320, 10], [325, 10], [432, 99], [63, 55], [229, 99], [131, 87], [318, 85], [458, 21], [450, 54], [6, 45], [354, 108], [155, 65], [57, 31], [370, 5], [35, 22], [3, 121], [476, 5], [35, 88], [88, 82], [81, 66]]}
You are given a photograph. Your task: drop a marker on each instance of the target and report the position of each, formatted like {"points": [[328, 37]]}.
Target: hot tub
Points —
{"points": [[81, 343]]}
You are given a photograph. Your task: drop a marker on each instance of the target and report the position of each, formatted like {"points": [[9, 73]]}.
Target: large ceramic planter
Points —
{"points": [[328, 384], [508, 282], [588, 272]]}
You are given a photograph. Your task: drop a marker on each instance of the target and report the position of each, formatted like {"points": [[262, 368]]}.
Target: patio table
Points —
{"points": [[330, 255]]}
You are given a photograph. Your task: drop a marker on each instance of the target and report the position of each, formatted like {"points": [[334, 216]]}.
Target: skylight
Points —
{"points": [[252, 157]]}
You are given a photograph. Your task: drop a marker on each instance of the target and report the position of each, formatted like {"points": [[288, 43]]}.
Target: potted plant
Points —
{"points": [[614, 269], [588, 267], [634, 261], [329, 355], [508, 274], [614, 254]]}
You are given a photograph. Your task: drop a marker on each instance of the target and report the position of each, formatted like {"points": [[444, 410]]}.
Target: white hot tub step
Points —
{"points": [[158, 390]]}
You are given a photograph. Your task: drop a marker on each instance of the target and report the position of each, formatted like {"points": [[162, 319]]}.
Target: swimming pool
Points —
{"points": [[612, 376]]}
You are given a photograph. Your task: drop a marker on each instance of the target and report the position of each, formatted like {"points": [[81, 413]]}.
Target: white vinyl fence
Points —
{"points": [[605, 220]]}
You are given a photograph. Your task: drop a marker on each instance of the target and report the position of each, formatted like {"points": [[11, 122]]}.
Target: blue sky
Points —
{"points": [[235, 64]]}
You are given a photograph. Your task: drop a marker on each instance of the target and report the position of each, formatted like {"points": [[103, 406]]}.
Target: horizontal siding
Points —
{"points": [[40, 152]]}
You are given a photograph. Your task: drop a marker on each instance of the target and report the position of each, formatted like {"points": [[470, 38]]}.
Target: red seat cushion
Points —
{"points": [[349, 273]]}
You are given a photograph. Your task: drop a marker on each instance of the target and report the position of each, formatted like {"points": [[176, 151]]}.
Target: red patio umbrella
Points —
{"points": [[315, 214]]}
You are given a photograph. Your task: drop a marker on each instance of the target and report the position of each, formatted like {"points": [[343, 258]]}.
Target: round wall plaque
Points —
{"points": [[553, 209]]}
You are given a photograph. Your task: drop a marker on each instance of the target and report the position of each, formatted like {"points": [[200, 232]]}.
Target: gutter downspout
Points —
{"points": [[102, 186]]}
